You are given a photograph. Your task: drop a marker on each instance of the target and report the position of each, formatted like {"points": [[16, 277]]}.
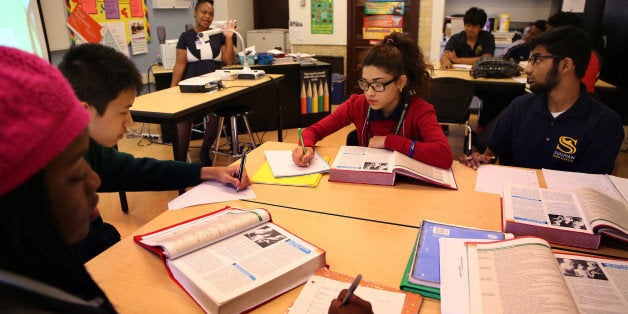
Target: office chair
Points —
{"points": [[451, 98], [352, 138]]}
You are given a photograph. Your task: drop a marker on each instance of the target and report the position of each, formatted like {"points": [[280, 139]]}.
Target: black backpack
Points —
{"points": [[494, 67]]}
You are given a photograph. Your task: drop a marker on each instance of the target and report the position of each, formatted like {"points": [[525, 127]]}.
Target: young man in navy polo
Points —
{"points": [[469, 45], [559, 126]]}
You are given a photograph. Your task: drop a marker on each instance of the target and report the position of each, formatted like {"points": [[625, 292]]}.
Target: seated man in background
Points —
{"points": [[559, 126], [106, 82], [520, 49], [561, 18], [469, 45]]}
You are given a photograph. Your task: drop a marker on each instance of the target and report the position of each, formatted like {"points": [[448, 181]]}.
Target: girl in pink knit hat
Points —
{"points": [[47, 191]]}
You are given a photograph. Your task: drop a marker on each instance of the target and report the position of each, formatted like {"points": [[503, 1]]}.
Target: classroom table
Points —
{"points": [[170, 106], [407, 203], [136, 280]]}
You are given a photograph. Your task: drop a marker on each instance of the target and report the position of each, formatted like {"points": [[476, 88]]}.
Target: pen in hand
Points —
{"points": [[242, 162], [352, 288], [486, 157], [300, 133]]}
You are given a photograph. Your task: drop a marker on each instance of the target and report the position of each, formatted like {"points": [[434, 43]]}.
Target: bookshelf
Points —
{"points": [[357, 46]]}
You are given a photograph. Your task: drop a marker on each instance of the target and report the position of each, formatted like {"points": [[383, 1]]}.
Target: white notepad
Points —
{"points": [[281, 164]]}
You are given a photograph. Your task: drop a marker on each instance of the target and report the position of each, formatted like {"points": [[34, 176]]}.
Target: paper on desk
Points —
{"points": [[320, 291], [492, 178], [282, 165], [210, 192], [568, 181]]}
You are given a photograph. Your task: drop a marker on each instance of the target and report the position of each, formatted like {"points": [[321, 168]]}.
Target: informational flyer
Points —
{"points": [[322, 16]]}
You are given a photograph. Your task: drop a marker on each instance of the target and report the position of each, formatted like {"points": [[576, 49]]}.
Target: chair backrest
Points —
{"points": [[451, 98]]}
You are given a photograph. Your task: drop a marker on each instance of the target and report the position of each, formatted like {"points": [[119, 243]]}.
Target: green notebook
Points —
{"points": [[406, 285]]}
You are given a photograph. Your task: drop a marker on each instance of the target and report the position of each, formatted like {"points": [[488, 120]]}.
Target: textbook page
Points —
{"points": [[281, 164], [320, 291], [597, 285], [364, 158], [187, 237], [412, 166], [210, 192], [566, 180], [518, 275], [549, 208], [493, 178], [265, 255], [604, 210], [453, 272]]}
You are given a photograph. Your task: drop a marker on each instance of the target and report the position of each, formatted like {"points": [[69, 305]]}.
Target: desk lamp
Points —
{"points": [[246, 72]]}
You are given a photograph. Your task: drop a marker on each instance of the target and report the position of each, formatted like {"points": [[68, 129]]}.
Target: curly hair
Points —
{"points": [[397, 54]]}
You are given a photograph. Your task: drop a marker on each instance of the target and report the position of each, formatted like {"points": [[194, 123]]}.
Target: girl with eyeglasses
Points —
{"points": [[392, 112]]}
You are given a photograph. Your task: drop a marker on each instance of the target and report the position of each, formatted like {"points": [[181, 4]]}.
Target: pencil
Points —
{"points": [[352, 288], [301, 140]]}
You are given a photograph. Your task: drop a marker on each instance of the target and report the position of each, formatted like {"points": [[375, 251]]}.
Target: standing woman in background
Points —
{"points": [[192, 61], [391, 113]]}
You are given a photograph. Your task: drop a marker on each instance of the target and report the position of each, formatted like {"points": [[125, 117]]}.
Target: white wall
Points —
{"points": [[302, 14], [519, 10]]}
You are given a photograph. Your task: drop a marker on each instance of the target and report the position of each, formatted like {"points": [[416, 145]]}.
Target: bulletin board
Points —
{"points": [[133, 13]]}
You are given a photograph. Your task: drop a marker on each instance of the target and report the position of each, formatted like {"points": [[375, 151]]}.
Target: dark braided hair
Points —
{"points": [[32, 244], [397, 54], [203, 1]]}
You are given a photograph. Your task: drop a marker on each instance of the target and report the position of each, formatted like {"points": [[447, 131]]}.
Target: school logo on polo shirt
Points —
{"points": [[566, 148]]}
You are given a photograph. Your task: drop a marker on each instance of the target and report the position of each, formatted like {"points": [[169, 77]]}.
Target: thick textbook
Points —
{"points": [[325, 286], [358, 164], [577, 218], [423, 271], [233, 260], [524, 275]]}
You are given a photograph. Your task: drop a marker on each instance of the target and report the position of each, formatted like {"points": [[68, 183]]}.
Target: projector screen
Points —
{"points": [[22, 26]]}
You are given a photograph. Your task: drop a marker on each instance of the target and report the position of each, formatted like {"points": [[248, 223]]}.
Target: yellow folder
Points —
{"points": [[265, 176]]}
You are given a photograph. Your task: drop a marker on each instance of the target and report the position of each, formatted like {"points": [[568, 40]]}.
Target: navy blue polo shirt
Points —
{"points": [[519, 51], [458, 43], [585, 138]]}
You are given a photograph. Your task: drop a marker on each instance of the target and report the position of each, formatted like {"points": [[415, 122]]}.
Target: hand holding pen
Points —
{"points": [[475, 159], [301, 155], [347, 302]]}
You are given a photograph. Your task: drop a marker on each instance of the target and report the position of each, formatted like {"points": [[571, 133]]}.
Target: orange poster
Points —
{"points": [[83, 25]]}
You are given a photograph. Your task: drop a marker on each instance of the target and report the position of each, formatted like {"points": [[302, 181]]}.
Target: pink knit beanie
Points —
{"points": [[39, 116]]}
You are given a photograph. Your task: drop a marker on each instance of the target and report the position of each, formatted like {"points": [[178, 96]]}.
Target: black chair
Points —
{"points": [[451, 98], [352, 138]]}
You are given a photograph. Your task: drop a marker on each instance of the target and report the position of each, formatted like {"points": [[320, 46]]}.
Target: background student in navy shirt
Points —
{"points": [[469, 45], [559, 126]]}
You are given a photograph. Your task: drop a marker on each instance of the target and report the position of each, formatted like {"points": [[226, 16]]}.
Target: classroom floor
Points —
{"points": [[144, 206]]}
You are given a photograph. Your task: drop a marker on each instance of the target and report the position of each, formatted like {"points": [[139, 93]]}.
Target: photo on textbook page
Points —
{"points": [[580, 268]]}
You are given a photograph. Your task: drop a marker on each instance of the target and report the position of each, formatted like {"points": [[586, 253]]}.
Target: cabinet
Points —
{"points": [[357, 46]]}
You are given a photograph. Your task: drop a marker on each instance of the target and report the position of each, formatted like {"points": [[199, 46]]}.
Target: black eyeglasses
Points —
{"points": [[377, 86], [537, 58]]}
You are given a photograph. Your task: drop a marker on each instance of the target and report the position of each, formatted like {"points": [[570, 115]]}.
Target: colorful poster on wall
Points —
{"points": [[128, 12], [314, 91], [322, 16]]}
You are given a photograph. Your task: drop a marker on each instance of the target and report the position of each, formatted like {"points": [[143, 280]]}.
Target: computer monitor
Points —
{"points": [[22, 27]]}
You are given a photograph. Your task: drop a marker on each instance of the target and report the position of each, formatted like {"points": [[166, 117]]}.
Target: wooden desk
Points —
{"points": [[407, 203], [136, 281], [600, 85], [170, 106]]}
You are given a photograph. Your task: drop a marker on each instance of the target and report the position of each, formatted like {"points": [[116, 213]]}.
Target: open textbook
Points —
{"points": [[325, 286], [233, 260], [524, 275], [615, 187], [577, 218], [358, 164]]}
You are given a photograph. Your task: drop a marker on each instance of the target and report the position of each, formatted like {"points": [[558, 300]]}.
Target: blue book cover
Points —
{"points": [[426, 264]]}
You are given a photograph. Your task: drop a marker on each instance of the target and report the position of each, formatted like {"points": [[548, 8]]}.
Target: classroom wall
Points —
{"points": [[173, 20]]}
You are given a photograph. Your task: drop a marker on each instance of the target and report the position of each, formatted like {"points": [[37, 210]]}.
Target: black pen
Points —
{"points": [[242, 162], [352, 288]]}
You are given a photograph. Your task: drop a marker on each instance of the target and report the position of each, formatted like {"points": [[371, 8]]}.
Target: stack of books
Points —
{"points": [[503, 37]]}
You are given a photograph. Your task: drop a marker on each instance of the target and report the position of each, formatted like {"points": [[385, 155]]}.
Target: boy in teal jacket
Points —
{"points": [[107, 82]]}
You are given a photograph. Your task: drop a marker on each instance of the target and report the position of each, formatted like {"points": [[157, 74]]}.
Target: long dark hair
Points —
{"points": [[397, 54], [32, 245]]}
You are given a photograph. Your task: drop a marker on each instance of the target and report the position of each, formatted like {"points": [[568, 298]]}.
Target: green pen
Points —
{"points": [[301, 139]]}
